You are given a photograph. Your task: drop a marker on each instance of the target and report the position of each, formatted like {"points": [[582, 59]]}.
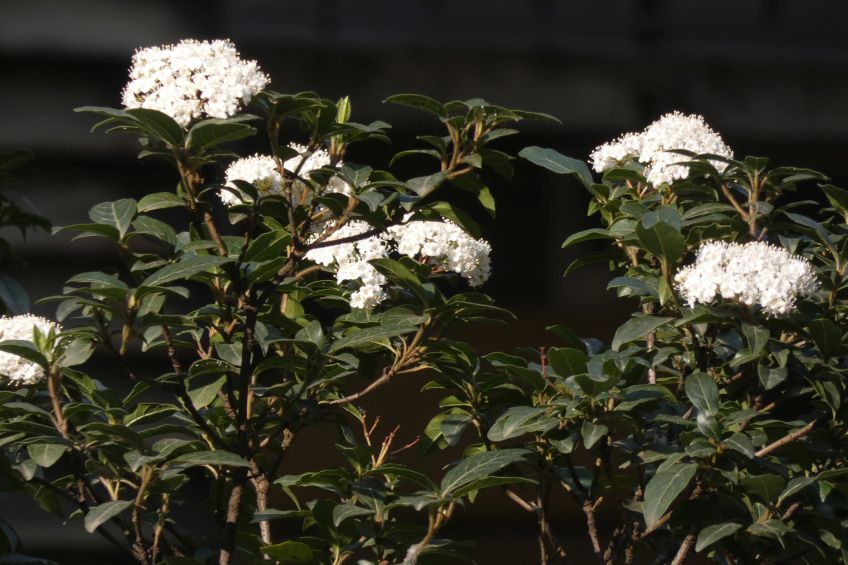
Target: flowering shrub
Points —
{"points": [[298, 282]]}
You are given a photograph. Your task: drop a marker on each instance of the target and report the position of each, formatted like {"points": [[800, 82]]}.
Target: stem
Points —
{"points": [[788, 438], [589, 510], [687, 544], [228, 534]]}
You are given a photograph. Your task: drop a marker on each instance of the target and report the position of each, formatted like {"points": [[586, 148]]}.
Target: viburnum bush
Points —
{"points": [[298, 282]]}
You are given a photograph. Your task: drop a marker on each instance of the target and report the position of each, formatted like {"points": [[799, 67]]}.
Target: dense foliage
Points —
{"points": [[264, 299]]}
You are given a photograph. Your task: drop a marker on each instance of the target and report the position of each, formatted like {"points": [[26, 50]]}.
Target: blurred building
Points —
{"points": [[770, 75]]}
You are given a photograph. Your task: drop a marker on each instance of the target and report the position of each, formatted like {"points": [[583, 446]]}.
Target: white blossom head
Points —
{"points": [[753, 274], [307, 161], [446, 246], [655, 146], [14, 369], [350, 261], [259, 170], [192, 80]]}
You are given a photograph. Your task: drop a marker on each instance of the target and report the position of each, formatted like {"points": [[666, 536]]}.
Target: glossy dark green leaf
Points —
{"points": [[558, 163], [102, 513], [213, 132], [702, 392], [185, 268], [663, 488], [767, 487], [159, 201], [419, 102], [13, 295], [118, 214], [591, 433], [215, 458], [159, 125], [635, 328], [479, 466], [711, 534], [520, 420], [567, 361], [46, 454], [827, 334], [290, 553]]}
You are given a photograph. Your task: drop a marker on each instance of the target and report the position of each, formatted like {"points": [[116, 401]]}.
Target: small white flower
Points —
{"points": [[654, 147], [14, 369], [351, 262], [306, 162], [192, 80], [751, 273], [260, 171], [445, 245]]}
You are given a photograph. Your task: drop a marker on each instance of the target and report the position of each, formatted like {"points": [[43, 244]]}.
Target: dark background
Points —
{"points": [[770, 75]]}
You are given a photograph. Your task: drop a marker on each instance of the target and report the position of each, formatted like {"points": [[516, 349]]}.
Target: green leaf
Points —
{"points": [[290, 553], [223, 458], [558, 163], [770, 377], [702, 392], [662, 240], [422, 186], [827, 334], [24, 349], [663, 488], [742, 443], [419, 102], [343, 512], [204, 389], [104, 512], [89, 230], [520, 420], [757, 338], [46, 454], [636, 328], [714, 533], [159, 201], [159, 125], [487, 482], [397, 272], [768, 487], [591, 433], [452, 213], [13, 295], [184, 269], [838, 198], [274, 514], [479, 466], [401, 322], [118, 214], [213, 132], [795, 486], [567, 361]]}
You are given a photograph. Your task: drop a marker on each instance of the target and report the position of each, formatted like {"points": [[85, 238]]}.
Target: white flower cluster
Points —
{"points": [[654, 146], [261, 171], [751, 273], [312, 162], [351, 261], [445, 246], [14, 369], [192, 79]]}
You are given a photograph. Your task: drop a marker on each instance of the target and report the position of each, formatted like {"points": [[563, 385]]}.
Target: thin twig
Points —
{"points": [[788, 438]]}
